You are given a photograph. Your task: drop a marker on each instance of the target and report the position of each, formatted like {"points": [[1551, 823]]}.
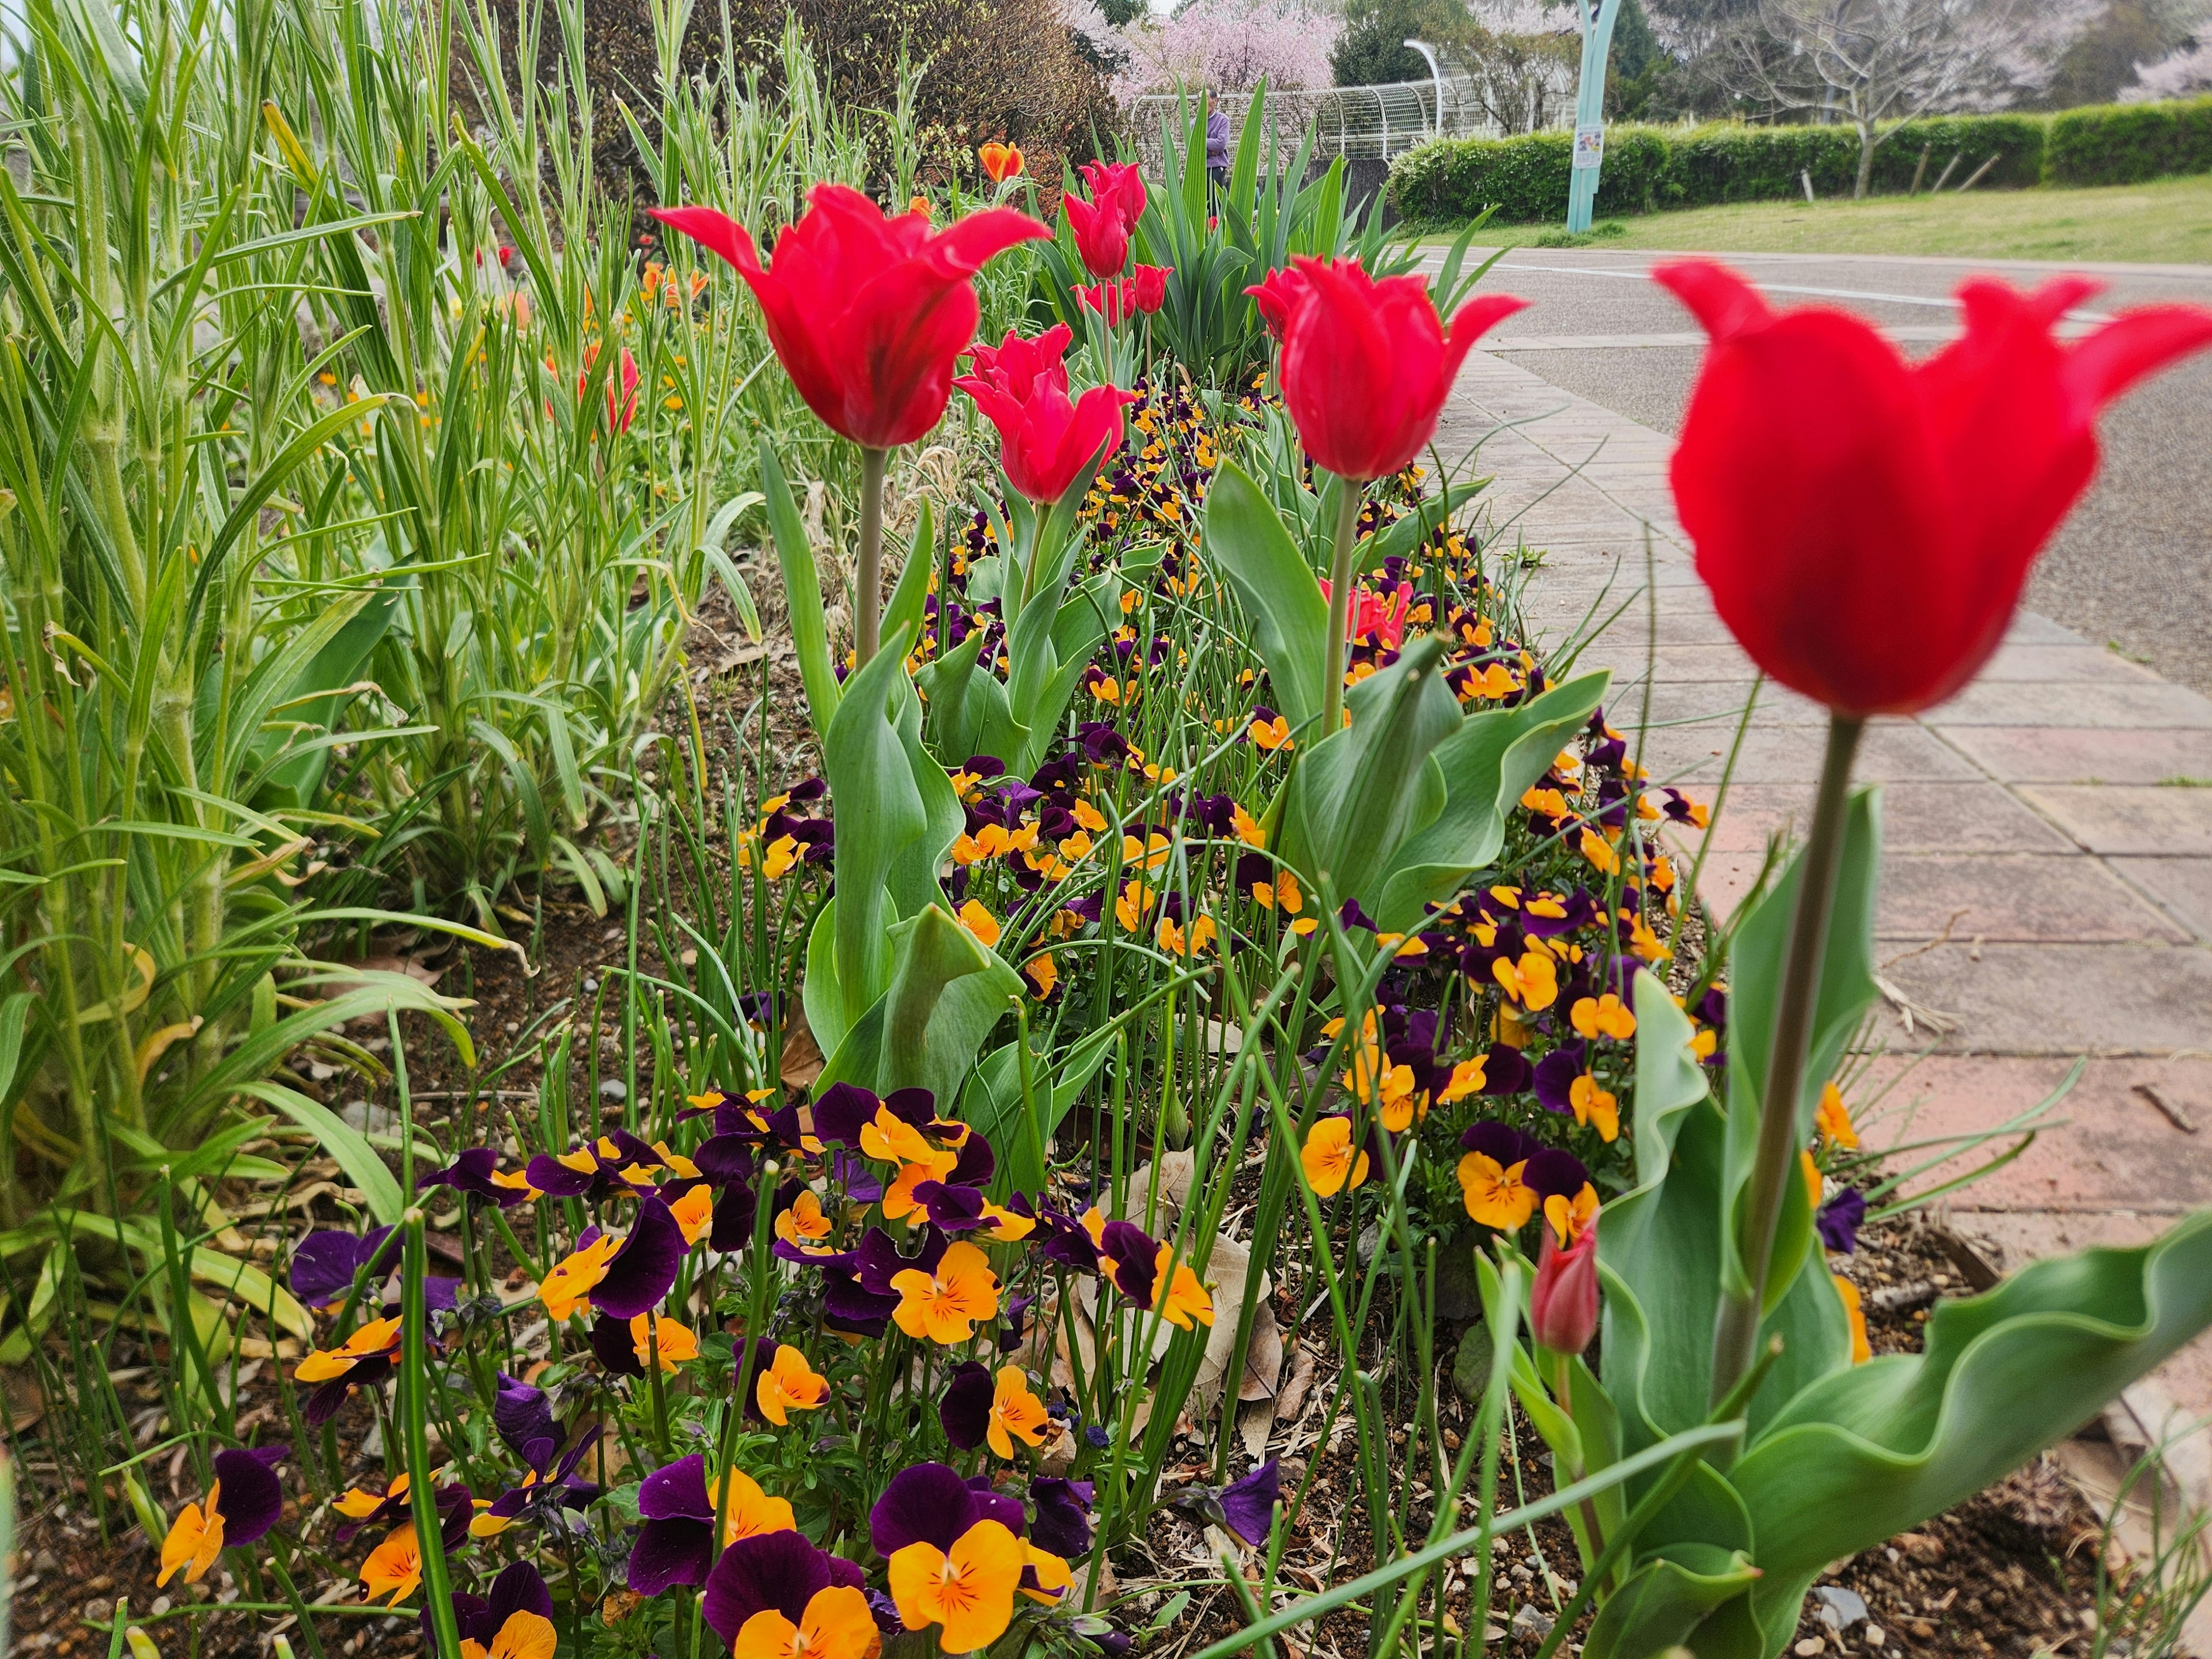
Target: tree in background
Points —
{"points": [[1372, 50], [1636, 66], [1228, 45], [1875, 63]]}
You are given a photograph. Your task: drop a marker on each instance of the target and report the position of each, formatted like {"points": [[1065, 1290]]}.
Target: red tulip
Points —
{"points": [[1102, 225], [1277, 297], [867, 313], [1048, 445], [1109, 299], [1367, 365], [1866, 524], [1562, 1302], [619, 414], [1015, 365], [1148, 288]]}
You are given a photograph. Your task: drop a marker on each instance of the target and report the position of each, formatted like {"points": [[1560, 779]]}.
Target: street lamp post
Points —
{"points": [[1596, 17], [1436, 75]]}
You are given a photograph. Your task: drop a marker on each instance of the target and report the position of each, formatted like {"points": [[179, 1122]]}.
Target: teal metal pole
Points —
{"points": [[1596, 18]]}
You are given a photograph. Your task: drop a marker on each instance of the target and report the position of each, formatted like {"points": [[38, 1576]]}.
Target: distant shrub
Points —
{"points": [[1664, 166]]}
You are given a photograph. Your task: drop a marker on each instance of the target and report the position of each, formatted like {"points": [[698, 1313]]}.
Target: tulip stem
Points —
{"points": [[1340, 608], [1735, 1333], [869, 611]]}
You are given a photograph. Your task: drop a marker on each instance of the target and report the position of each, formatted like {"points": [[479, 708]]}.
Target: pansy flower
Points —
{"points": [[1492, 1175], [547, 1486], [946, 1303], [325, 1264], [677, 1543], [515, 1621], [789, 1385], [658, 1336], [1148, 1274], [1330, 1159], [364, 1359], [615, 1165], [952, 1564], [1834, 1119], [623, 1276], [1062, 1524], [363, 1509], [474, 1170], [1568, 1200], [243, 1501], [776, 1595], [1840, 1218], [394, 1567]]}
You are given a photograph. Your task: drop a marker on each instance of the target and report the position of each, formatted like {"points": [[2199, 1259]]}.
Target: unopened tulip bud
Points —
{"points": [[1562, 1302]]}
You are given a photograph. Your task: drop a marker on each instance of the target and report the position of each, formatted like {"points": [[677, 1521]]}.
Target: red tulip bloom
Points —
{"points": [[1277, 297], [1109, 299], [1102, 225], [1148, 288], [1048, 444], [1367, 365], [1016, 366], [867, 313], [1563, 1302], [619, 414], [1866, 524]]}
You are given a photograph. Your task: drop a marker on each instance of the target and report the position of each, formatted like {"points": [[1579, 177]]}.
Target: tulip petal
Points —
{"points": [[1722, 301], [2135, 344], [716, 232]]}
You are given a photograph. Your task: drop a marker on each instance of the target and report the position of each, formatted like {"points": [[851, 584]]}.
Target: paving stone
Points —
{"points": [[2129, 818], [2102, 1148], [1916, 817], [2014, 898], [2064, 664], [2060, 1000], [2183, 885], [2042, 754], [1890, 752], [2014, 703]]}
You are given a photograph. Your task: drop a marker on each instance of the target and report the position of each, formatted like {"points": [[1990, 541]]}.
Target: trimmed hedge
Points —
{"points": [[1651, 167]]}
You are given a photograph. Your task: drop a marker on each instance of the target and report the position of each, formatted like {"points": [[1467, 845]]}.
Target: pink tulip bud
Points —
{"points": [[1563, 1302]]}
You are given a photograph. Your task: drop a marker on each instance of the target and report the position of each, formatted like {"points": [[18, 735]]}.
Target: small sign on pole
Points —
{"points": [[1590, 147]]}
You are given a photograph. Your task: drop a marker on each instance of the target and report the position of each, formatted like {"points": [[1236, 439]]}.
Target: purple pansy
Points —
{"points": [[325, 1264], [640, 1273], [964, 1410], [676, 1546], [1840, 1219], [252, 1498], [770, 1570], [1248, 1505], [1063, 1515], [519, 1589]]}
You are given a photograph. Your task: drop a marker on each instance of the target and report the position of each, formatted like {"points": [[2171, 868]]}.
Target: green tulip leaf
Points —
{"points": [[967, 703], [946, 993], [1274, 583], [1357, 794], [1488, 763], [880, 811], [802, 592], [1670, 1596]]}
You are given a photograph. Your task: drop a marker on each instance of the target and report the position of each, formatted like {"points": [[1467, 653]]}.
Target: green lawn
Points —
{"points": [[2169, 222]]}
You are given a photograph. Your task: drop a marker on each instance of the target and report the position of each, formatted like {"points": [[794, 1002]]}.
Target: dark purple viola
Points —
{"points": [[1580, 911], [1063, 1239], [364, 1510], [964, 1409], [1135, 1256], [992, 1505], [843, 1111], [1063, 1515], [252, 1498], [676, 1546], [475, 1171], [770, 1570], [926, 1503], [849, 1306], [1554, 1174], [640, 1273], [523, 1417], [878, 1260], [325, 1264], [1248, 1505], [1555, 1077], [557, 1488], [951, 1209], [1014, 1317], [1840, 1219], [1502, 1143], [519, 1589], [614, 1347], [1506, 1071], [594, 1172]]}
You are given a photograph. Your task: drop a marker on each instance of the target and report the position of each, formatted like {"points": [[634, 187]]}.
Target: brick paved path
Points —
{"points": [[2046, 881]]}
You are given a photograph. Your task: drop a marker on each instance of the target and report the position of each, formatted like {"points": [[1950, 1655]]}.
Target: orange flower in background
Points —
{"points": [[945, 1306], [748, 1511], [395, 1565], [675, 1343], [1834, 1119], [565, 1287], [1330, 1159], [1001, 161], [789, 1385], [968, 1589], [1185, 1299], [693, 1213], [1016, 1413], [1862, 1351], [379, 1337]]}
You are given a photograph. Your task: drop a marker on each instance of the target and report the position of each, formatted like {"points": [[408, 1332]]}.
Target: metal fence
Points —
{"points": [[1374, 123]]}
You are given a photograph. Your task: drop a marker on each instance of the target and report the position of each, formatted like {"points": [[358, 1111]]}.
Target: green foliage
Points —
{"points": [[1648, 169], [1372, 50], [2129, 144]]}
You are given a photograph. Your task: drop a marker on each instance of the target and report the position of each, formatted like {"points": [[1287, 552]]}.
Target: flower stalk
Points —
{"points": [[1735, 1332], [868, 610], [1339, 607]]}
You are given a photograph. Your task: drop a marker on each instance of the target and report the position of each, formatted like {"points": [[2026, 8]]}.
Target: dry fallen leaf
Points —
{"points": [[802, 1060]]}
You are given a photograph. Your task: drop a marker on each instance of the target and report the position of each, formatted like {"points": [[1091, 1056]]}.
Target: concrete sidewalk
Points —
{"points": [[2047, 867]]}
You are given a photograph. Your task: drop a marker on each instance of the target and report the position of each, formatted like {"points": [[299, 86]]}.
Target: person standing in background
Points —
{"points": [[1217, 148]]}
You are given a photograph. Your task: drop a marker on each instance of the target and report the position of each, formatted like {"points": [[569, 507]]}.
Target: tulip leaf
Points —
{"points": [[802, 591], [1246, 541], [991, 1103], [1359, 793], [1874, 1449], [1670, 1596], [966, 702], [912, 880], [1487, 764], [880, 811], [1846, 990], [1403, 537], [910, 593], [946, 993]]}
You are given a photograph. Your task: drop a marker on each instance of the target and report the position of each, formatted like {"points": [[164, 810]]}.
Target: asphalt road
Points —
{"points": [[2132, 567]]}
